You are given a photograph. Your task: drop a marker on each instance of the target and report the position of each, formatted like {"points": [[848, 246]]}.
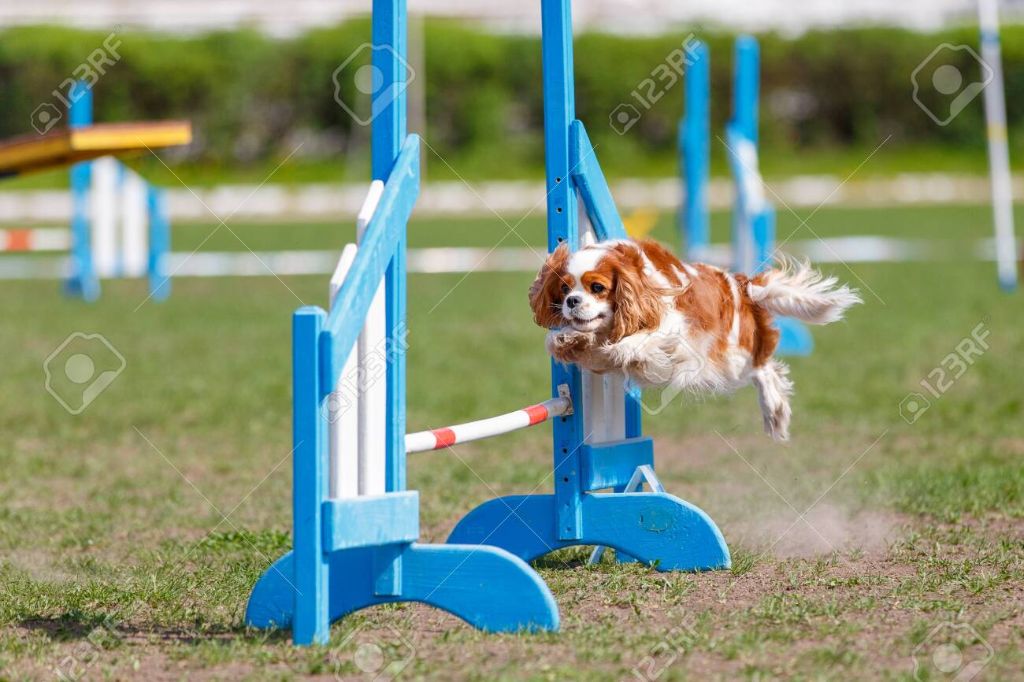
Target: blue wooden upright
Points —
{"points": [[82, 281], [653, 527], [753, 228], [753, 217], [695, 154], [357, 552]]}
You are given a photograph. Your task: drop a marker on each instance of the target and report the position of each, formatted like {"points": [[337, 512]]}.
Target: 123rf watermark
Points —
{"points": [[660, 657], [81, 368], [77, 665], [48, 114], [357, 377], [946, 81], [951, 651], [650, 90], [940, 379], [359, 73], [381, 655]]}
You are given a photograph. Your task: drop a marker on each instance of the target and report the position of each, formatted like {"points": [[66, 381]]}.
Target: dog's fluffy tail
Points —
{"points": [[795, 289]]}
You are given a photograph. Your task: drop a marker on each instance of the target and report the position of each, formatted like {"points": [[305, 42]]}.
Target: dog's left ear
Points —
{"points": [[638, 307]]}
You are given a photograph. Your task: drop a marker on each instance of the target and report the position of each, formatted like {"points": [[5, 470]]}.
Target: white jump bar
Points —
{"points": [[436, 439]]}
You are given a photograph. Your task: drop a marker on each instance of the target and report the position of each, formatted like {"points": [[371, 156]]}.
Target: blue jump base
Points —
{"points": [[487, 587], [658, 529]]}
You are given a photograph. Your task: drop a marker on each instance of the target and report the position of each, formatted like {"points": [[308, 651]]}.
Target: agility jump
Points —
{"points": [[119, 225], [355, 525]]}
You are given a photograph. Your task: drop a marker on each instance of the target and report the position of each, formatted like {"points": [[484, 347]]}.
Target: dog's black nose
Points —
{"points": [[572, 301]]}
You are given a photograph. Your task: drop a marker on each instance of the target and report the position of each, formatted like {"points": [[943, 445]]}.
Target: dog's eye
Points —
{"points": [[597, 287], [565, 288]]}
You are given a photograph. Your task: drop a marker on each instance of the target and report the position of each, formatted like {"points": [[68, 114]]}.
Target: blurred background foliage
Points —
{"points": [[827, 97]]}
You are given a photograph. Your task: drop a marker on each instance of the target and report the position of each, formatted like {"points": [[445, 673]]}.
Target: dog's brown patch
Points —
{"points": [[757, 333], [663, 260]]}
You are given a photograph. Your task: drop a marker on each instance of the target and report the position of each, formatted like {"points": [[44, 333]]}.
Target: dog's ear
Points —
{"points": [[638, 306], [546, 290]]}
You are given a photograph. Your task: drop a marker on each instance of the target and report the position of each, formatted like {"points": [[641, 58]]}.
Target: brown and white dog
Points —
{"points": [[636, 308]]}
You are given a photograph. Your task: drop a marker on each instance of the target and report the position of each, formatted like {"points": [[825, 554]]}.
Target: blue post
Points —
{"points": [[742, 133], [387, 135], [753, 218], [746, 86], [695, 152], [563, 227], [82, 281], [159, 243], [309, 471]]}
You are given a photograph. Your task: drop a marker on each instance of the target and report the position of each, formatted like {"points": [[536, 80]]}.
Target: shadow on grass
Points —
{"points": [[106, 632], [568, 558]]}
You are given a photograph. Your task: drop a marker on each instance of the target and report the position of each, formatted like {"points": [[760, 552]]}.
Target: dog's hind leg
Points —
{"points": [[774, 389]]}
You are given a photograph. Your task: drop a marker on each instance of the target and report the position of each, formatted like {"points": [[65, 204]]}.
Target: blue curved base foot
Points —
{"points": [[794, 337], [658, 529], [487, 587]]}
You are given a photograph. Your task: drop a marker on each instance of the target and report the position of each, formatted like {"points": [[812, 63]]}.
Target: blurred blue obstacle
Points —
{"points": [[119, 224], [753, 216], [355, 525], [695, 154], [996, 131]]}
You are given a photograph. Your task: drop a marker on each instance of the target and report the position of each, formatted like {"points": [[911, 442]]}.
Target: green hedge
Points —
{"points": [[253, 98]]}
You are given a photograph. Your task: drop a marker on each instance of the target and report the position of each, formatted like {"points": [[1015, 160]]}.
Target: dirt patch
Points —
{"points": [[825, 529]]}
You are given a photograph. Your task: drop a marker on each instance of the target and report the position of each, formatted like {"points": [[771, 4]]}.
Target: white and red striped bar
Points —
{"points": [[35, 239], [485, 428]]}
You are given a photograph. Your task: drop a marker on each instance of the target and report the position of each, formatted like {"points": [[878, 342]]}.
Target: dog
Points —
{"points": [[635, 308]]}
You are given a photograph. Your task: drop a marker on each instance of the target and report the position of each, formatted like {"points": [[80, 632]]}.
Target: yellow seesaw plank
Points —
{"points": [[30, 153]]}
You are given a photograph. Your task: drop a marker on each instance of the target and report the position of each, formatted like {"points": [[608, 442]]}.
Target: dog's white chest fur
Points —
{"points": [[677, 355]]}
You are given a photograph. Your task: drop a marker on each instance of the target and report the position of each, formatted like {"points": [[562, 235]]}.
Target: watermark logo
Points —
{"points": [[359, 72], [666, 364], [662, 655], [913, 406], [951, 651], [76, 665], [941, 88], [942, 378], [80, 369], [381, 655], [45, 116], [359, 377], [89, 72], [623, 117], [656, 85]]}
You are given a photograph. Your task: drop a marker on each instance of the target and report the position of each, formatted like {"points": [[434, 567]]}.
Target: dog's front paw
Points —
{"points": [[569, 346], [655, 368]]}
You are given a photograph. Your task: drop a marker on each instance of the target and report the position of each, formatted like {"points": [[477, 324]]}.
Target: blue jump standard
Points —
{"points": [[353, 553], [656, 528]]}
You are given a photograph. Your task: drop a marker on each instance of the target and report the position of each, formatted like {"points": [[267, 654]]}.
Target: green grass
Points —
{"points": [[115, 554], [629, 162], [955, 226]]}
